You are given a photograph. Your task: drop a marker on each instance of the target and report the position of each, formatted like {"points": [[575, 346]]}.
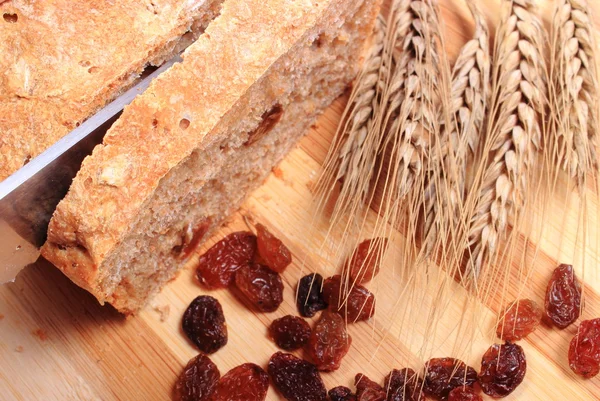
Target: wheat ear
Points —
{"points": [[349, 155], [445, 190], [514, 129], [574, 83]]}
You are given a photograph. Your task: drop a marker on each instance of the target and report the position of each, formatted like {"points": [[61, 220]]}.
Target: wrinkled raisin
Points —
{"points": [[329, 342], [261, 286], [197, 381], [464, 394], [310, 296], [367, 389], [365, 260], [519, 320], [404, 385], [204, 324], [503, 368], [563, 297], [442, 375], [242, 383], [341, 393], [290, 332], [357, 305], [584, 351], [217, 266], [295, 378], [271, 250]]}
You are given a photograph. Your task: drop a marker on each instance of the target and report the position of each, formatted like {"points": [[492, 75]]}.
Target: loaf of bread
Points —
{"points": [[184, 155], [62, 60]]}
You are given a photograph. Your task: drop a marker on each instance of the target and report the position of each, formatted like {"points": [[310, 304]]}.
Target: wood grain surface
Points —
{"points": [[57, 343]]}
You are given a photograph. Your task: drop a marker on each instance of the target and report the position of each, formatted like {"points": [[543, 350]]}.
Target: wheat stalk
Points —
{"points": [[444, 195], [574, 86], [514, 129]]}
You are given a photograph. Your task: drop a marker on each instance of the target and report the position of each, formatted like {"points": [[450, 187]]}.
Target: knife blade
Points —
{"points": [[29, 197]]}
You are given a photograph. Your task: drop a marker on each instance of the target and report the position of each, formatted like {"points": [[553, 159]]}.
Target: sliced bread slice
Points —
{"points": [[184, 155]]}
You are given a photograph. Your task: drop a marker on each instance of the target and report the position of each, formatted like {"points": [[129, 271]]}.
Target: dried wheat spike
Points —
{"points": [[411, 119], [444, 194], [350, 155], [514, 129], [575, 88]]}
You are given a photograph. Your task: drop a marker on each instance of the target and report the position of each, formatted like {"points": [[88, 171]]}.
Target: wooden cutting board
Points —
{"points": [[57, 343]]}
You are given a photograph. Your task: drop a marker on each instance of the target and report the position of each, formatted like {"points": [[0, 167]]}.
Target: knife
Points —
{"points": [[29, 197]]}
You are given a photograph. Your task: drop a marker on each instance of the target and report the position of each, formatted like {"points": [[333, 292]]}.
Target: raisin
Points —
{"points": [[357, 305], [404, 385], [329, 342], [261, 286], [519, 320], [341, 393], [442, 375], [464, 394], [295, 378], [365, 260], [310, 296], [503, 368], [217, 266], [584, 351], [197, 381], [242, 383], [563, 297], [367, 389], [271, 250], [204, 324], [290, 332]]}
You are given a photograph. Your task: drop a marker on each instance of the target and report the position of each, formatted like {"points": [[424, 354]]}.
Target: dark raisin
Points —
{"points": [[217, 266], [290, 332], [261, 286], [295, 378], [464, 394], [204, 324], [442, 375], [366, 259], [357, 305], [503, 368], [367, 389], [563, 297], [310, 296], [271, 250], [404, 385], [584, 351], [329, 341], [242, 383], [519, 320], [197, 381], [341, 393]]}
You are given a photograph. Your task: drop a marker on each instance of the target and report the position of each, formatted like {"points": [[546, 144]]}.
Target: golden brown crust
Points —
{"points": [[175, 116], [62, 60]]}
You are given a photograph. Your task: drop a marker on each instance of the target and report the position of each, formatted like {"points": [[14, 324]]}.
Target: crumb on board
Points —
{"points": [[19, 348], [277, 172], [163, 311], [1, 316], [41, 334]]}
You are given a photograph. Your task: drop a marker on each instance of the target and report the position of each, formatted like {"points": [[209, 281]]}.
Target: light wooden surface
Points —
{"points": [[57, 343]]}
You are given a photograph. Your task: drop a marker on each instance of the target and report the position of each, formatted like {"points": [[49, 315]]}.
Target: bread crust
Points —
{"points": [[62, 60], [180, 113]]}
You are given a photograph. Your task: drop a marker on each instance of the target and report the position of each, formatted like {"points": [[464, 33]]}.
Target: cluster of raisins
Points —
{"points": [[328, 342], [253, 263], [250, 262], [202, 381]]}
